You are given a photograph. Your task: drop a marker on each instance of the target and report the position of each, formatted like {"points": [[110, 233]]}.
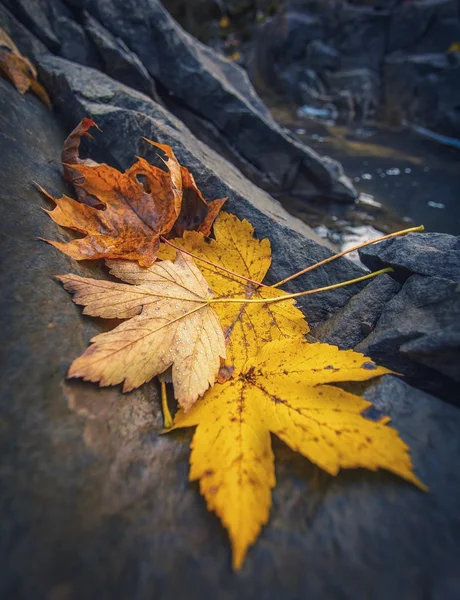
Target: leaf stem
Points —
{"points": [[298, 294], [340, 254], [167, 419], [208, 262]]}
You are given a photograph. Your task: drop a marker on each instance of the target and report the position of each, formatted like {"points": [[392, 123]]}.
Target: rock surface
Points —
{"points": [[411, 65], [435, 254], [418, 333], [356, 320], [139, 41]]}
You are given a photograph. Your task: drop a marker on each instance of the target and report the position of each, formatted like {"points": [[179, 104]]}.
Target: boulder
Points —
{"points": [[423, 89], [436, 254], [417, 335], [204, 88], [356, 320]]}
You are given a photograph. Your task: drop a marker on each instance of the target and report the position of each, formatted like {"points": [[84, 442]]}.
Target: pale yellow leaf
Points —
{"points": [[170, 324]]}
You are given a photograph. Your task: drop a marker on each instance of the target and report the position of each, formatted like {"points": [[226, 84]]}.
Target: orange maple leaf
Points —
{"points": [[123, 215]]}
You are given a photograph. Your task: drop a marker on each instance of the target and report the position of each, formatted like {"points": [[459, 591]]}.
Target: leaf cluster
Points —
{"points": [[195, 308]]}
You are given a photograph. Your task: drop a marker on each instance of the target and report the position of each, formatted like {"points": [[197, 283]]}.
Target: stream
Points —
{"points": [[403, 179]]}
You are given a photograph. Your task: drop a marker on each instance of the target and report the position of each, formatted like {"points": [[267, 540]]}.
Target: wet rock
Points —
{"points": [[126, 115], [357, 319], [321, 56], [424, 27], [418, 333], [119, 62], [436, 254], [423, 88], [411, 74], [194, 80]]}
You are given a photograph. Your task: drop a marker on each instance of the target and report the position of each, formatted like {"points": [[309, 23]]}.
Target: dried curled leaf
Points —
{"points": [[247, 327], [196, 214], [170, 324], [288, 390], [139, 206], [19, 70], [70, 156]]}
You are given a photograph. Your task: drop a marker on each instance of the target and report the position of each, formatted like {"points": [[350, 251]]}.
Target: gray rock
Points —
{"points": [[197, 80], [119, 62], [423, 89], [436, 254], [424, 27], [412, 76], [126, 115], [27, 43], [417, 335], [321, 56], [356, 320], [39, 17], [439, 350]]}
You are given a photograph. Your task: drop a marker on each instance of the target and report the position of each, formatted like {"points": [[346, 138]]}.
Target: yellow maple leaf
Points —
{"points": [[287, 390], [170, 323], [247, 327]]}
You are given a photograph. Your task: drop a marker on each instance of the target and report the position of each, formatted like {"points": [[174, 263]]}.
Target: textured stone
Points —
{"points": [[119, 62], [355, 321], [417, 335], [195, 81], [436, 254]]}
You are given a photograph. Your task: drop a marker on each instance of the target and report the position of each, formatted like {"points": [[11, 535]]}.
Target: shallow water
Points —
{"points": [[403, 180]]}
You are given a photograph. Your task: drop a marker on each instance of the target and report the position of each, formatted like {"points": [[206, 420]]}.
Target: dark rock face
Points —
{"points": [[423, 89], [412, 74], [119, 62], [436, 254], [418, 333], [357, 319], [415, 331], [139, 43]]}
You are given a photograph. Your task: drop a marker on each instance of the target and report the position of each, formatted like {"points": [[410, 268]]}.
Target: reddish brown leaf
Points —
{"points": [[139, 205], [70, 155], [196, 214]]}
